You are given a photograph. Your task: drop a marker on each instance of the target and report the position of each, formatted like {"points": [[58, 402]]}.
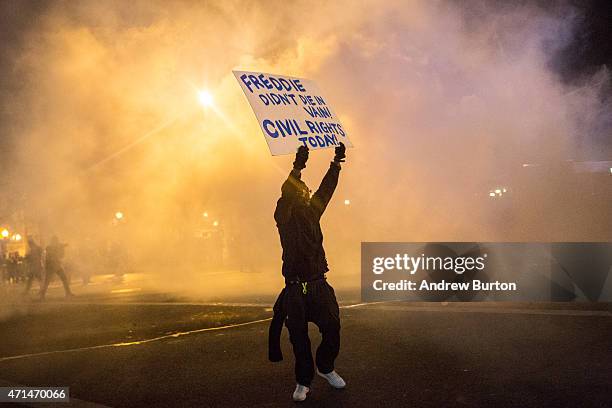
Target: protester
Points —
{"points": [[33, 264], [307, 296], [53, 266]]}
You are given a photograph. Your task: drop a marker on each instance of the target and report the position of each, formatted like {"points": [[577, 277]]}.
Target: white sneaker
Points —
{"points": [[333, 379], [300, 392]]}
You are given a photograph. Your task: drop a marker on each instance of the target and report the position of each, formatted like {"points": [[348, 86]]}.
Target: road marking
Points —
{"points": [[151, 340], [133, 343], [362, 304], [76, 302], [377, 306], [126, 290]]}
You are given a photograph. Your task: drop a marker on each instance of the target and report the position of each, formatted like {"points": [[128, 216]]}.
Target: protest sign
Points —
{"points": [[291, 112]]}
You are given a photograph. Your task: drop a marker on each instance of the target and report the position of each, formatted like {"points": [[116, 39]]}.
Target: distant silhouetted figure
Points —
{"points": [[53, 265], [33, 263], [307, 297], [12, 266]]}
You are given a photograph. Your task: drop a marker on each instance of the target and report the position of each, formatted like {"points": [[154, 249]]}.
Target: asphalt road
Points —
{"points": [[393, 354]]}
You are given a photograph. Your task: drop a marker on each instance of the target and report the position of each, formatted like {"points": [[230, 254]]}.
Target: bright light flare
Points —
{"points": [[17, 237], [205, 98], [119, 215], [215, 223], [5, 233], [347, 202]]}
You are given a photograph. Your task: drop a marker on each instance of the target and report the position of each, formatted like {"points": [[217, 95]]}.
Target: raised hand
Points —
{"points": [[340, 153], [301, 157]]}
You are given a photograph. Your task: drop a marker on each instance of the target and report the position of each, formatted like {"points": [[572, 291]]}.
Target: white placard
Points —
{"points": [[291, 112]]}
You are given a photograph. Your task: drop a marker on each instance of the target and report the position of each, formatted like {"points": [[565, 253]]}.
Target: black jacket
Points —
{"points": [[299, 228], [275, 353]]}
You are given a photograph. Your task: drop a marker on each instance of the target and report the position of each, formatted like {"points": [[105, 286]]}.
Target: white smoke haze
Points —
{"points": [[439, 101]]}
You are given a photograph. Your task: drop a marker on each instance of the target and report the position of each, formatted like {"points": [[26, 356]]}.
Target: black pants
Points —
{"points": [[50, 271], [317, 305], [33, 273]]}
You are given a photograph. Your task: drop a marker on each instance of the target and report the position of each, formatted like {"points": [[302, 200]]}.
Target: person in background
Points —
{"points": [[13, 267], [33, 264], [53, 266]]}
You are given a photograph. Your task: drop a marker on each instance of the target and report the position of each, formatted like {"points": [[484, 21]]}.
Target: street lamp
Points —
{"points": [[205, 98]]}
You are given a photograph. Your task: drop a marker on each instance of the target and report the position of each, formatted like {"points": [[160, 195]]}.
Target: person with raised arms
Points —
{"points": [[307, 296]]}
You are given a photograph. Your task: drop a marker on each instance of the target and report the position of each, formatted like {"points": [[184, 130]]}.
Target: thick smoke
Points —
{"points": [[442, 104]]}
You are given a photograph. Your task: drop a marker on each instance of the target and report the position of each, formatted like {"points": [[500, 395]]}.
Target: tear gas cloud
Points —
{"points": [[442, 104]]}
